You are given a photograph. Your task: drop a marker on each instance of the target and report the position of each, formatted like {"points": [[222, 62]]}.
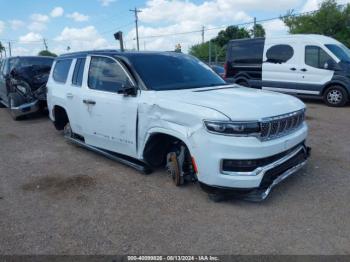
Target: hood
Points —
{"points": [[237, 103]]}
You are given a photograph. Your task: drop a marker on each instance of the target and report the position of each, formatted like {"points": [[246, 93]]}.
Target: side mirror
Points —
{"points": [[329, 65], [128, 89]]}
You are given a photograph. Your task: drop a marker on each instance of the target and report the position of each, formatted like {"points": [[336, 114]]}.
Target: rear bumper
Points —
{"points": [[273, 175], [25, 109]]}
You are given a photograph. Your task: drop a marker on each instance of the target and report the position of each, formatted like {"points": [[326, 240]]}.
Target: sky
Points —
{"points": [[90, 24]]}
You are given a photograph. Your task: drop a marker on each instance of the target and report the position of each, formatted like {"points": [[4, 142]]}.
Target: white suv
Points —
{"points": [[167, 109]]}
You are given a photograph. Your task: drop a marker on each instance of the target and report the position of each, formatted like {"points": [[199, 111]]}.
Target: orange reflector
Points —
{"points": [[194, 165]]}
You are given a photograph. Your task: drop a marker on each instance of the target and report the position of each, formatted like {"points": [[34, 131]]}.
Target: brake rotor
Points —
{"points": [[174, 169], [67, 131]]}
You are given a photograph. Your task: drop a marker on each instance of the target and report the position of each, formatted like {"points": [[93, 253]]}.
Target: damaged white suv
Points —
{"points": [[166, 109]]}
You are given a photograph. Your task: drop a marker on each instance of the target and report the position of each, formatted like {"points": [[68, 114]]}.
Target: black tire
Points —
{"points": [[335, 96], [15, 100]]}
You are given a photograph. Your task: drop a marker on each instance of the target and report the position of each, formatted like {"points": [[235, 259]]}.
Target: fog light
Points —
{"points": [[239, 165]]}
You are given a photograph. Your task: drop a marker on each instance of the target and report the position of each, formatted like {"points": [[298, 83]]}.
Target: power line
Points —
{"points": [[117, 28]]}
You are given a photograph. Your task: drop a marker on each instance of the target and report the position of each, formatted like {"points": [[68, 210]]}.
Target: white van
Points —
{"points": [[312, 65]]}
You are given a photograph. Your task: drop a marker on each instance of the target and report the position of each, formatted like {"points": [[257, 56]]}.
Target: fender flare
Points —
{"points": [[159, 130], [335, 82]]}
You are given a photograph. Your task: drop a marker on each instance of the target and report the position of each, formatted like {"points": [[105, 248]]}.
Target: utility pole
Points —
{"points": [[136, 11], [45, 44], [203, 34], [254, 28], [10, 53]]}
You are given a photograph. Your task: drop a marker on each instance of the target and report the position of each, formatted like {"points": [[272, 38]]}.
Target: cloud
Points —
{"points": [[78, 17], [176, 16], [30, 37], [80, 39], [39, 18], [275, 27], [312, 5], [106, 2], [2, 26], [57, 12], [16, 24], [38, 23], [36, 26]]}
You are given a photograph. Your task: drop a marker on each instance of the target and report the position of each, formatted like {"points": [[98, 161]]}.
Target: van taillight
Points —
{"points": [[225, 72]]}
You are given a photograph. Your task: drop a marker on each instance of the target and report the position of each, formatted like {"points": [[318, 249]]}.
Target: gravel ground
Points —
{"points": [[57, 198]]}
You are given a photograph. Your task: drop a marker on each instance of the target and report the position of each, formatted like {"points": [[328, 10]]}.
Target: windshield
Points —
{"points": [[340, 51], [30, 61], [172, 71]]}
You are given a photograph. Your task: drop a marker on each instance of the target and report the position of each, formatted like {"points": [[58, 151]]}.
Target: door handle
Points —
{"points": [[69, 95], [303, 70], [89, 102], [293, 69]]}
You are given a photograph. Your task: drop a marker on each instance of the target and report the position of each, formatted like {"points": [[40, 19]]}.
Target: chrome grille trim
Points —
{"points": [[278, 126]]}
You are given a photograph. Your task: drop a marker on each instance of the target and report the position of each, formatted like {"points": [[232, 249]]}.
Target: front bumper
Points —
{"points": [[272, 175], [25, 109]]}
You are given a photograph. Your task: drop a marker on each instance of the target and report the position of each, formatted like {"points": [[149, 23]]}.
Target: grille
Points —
{"points": [[281, 125]]}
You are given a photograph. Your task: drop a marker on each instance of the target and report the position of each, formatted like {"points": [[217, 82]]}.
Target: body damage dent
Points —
{"points": [[156, 119]]}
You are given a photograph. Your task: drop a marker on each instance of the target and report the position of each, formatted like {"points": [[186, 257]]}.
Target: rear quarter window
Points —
{"points": [[61, 70], [246, 51], [279, 54]]}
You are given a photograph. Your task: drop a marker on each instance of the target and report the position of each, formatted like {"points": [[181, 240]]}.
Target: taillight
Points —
{"points": [[225, 72]]}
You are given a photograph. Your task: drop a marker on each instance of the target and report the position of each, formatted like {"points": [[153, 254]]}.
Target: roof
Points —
{"points": [[113, 52], [13, 57], [321, 39]]}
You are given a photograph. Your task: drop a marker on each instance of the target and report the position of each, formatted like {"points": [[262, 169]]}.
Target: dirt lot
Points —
{"points": [[56, 198]]}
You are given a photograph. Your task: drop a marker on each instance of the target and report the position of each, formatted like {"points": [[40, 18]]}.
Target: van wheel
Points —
{"points": [[335, 96], [14, 100]]}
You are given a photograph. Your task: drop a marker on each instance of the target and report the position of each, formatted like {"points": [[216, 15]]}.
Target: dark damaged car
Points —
{"points": [[23, 84]]}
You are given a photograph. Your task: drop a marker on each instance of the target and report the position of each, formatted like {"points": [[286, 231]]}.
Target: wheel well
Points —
{"points": [[61, 117], [157, 147], [334, 84]]}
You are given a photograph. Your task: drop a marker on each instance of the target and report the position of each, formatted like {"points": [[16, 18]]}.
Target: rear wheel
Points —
{"points": [[335, 96], [14, 100]]}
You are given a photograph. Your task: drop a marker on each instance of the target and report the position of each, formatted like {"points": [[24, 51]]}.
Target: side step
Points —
{"points": [[125, 160]]}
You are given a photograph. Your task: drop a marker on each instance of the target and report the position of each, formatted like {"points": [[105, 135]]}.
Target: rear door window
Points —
{"points": [[61, 70], [78, 73], [316, 57]]}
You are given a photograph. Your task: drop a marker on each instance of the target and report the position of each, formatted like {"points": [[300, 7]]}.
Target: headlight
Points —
{"points": [[23, 89], [233, 128]]}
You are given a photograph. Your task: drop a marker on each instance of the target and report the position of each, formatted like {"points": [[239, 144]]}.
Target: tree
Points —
{"points": [[46, 53], [259, 31], [218, 44], [2, 48], [330, 20], [231, 32], [201, 51]]}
